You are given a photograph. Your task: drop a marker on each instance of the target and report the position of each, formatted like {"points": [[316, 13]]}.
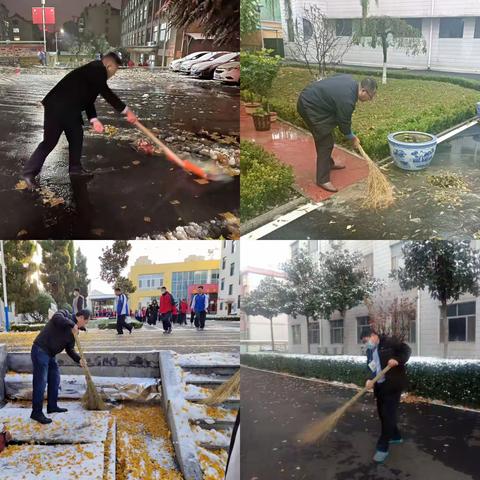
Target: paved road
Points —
{"points": [[122, 194], [218, 336], [441, 443]]}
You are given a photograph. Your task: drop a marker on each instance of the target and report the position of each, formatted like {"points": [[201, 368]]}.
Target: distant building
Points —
{"points": [[101, 19], [23, 30], [177, 277], [339, 335], [4, 23], [255, 332], [229, 290]]}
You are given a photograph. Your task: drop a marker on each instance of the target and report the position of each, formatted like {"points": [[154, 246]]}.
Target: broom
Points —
{"points": [[379, 190], [91, 399], [228, 389], [321, 429]]}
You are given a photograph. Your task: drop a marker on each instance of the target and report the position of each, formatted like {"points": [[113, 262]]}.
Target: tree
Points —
{"points": [[112, 263], [220, 19], [302, 293], [344, 281], [86, 43], [40, 306], [446, 269], [56, 270], [316, 41], [249, 17], [20, 269], [265, 301], [390, 32], [81, 279]]}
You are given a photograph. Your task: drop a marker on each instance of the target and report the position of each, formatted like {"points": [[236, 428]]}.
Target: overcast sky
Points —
{"points": [[166, 251], [264, 253], [65, 9]]}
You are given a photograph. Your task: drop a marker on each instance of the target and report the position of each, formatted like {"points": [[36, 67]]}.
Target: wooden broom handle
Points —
{"points": [[363, 153], [82, 356]]}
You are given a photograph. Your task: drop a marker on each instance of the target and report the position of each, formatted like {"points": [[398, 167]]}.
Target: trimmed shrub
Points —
{"points": [[266, 183], [113, 325], [456, 383], [26, 327]]}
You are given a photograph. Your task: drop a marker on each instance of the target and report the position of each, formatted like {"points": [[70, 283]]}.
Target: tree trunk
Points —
{"points": [[443, 319], [385, 50], [308, 335], [271, 334], [384, 74]]}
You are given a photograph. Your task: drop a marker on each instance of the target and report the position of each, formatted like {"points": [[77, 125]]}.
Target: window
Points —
{"points": [[182, 280], [295, 248], [221, 305], [222, 284], [368, 263], [307, 29], [224, 263], [451, 27], [415, 23], [314, 332], [150, 282], [336, 331], [313, 246], [232, 269], [461, 320], [363, 328], [238, 301], [396, 254], [230, 289], [343, 27], [477, 28], [215, 276], [233, 246], [16, 30], [296, 334]]}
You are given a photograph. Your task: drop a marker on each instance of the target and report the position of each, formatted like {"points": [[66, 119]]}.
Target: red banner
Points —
{"points": [[37, 15]]}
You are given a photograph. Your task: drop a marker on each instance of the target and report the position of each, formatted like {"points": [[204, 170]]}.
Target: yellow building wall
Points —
{"points": [[167, 270]]}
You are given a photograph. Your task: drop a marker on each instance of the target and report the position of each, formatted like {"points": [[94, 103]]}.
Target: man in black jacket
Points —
{"points": [[383, 351], [57, 335], [64, 104], [329, 103]]}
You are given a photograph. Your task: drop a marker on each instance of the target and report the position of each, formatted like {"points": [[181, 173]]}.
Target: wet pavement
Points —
{"points": [[420, 210], [441, 443], [296, 148], [131, 194]]}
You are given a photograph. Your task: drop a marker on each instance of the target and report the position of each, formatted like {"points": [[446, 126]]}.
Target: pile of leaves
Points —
{"points": [[448, 188]]}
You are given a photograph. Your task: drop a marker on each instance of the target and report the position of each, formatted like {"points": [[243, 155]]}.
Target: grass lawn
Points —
{"points": [[402, 104]]}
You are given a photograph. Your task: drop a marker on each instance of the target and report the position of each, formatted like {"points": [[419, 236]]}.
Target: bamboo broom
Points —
{"points": [[379, 190], [320, 430], [228, 389], [91, 399]]}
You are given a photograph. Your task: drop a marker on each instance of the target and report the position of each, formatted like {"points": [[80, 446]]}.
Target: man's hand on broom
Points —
{"points": [[355, 142], [97, 125], [369, 384], [83, 363], [392, 363], [130, 116], [75, 330]]}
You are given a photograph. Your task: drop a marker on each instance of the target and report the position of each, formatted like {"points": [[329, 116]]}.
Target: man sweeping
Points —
{"points": [[57, 335], [64, 104], [383, 351], [122, 312], [329, 103]]}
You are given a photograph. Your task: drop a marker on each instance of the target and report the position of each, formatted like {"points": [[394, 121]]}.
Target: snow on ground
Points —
{"points": [[208, 359]]}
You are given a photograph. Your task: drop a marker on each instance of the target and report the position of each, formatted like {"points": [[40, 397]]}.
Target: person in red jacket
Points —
{"points": [[183, 311], [174, 314], [167, 303]]}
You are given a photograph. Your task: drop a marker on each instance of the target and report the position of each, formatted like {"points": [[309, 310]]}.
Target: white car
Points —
{"points": [[228, 73], [206, 69], [176, 64], [187, 66]]}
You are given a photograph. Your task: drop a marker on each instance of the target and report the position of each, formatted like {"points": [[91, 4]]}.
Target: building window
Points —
{"points": [[295, 248], [415, 23], [215, 276], [363, 328], [16, 30], [461, 318], [182, 280], [296, 334], [343, 27], [336, 331], [222, 284], [221, 305], [232, 269], [230, 289], [396, 254], [313, 246], [451, 27], [307, 29], [150, 282], [224, 263], [368, 263], [477, 28], [238, 301], [314, 333]]}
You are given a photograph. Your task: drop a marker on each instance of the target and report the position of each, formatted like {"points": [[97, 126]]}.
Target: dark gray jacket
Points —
{"points": [[331, 102]]}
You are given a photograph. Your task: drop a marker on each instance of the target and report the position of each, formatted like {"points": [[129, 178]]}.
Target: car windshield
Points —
{"points": [[226, 57], [206, 56]]}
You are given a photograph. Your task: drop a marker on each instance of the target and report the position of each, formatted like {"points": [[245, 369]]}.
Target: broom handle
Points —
{"points": [[363, 153], [82, 356]]}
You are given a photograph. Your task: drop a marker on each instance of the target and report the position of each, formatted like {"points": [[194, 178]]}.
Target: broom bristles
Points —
{"points": [[227, 390]]}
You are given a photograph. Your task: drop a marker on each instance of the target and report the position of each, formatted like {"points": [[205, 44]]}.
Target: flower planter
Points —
{"points": [[412, 150], [261, 122], [251, 107], [273, 116]]}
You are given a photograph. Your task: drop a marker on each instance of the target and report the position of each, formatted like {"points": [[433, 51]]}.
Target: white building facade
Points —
{"points": [[229, 286], [339, 336], [451, 30]]}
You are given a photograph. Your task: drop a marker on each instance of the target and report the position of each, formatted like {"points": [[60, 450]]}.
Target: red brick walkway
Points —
{"points": [[296, 148]]}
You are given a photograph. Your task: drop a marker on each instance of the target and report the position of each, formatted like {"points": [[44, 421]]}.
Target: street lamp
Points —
{"points": [[56, 42], [4, 283]]}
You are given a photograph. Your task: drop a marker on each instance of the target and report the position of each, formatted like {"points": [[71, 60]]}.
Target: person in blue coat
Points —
{"points": [[200, 307], [122, 312]]}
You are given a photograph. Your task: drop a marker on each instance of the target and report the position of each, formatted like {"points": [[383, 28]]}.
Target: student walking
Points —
{"points": [[166, 308], [200, 307], [122, 312]]}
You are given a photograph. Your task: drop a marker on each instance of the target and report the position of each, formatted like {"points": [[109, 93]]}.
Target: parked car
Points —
{"points": [[186, 66], [206, 69], [228, 72], [176, 64]]}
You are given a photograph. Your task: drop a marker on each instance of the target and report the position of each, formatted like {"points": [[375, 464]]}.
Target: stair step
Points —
{"points": [[218, 425]]}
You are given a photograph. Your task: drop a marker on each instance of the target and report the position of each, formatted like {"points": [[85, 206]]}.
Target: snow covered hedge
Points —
{"points": [[456, 382]]}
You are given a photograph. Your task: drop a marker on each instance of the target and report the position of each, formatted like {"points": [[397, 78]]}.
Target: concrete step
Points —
{"points": [[218, 425]]}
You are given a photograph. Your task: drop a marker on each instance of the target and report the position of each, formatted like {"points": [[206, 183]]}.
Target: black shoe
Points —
{"points": [[32, 184], [80, 171], [40, 418], [57, 410], [130, 331]]}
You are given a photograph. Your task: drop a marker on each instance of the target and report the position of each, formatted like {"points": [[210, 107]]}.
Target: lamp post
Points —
{"points": [[4, 284], [56, 42], [44, 33]]}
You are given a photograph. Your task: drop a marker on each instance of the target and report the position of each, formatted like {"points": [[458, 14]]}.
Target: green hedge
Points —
{"points": [[26, 327], [453, 383], [113, 325], [266, 183]]}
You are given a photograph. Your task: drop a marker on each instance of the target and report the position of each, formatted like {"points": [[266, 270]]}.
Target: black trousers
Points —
{"points": [[53, 126], [387, 407], [200, 319], [323, 144], [166, 321], [192, 317], [121, 324]]}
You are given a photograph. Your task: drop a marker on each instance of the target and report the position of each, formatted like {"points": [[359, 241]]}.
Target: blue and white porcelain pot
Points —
{"points": [[412, 150]]}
